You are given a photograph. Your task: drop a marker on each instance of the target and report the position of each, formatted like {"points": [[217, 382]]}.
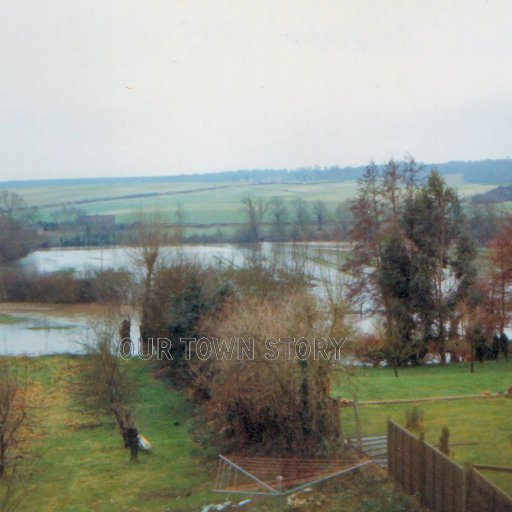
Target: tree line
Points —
{"points": [[280, 220], [276, 219]]}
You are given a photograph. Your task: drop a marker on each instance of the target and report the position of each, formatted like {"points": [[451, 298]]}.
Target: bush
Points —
{"points": [[181, 295], [269, 406], [414, 419], [66, 287]]}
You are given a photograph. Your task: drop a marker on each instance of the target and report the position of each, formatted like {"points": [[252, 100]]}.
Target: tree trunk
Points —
{"points": [[2, 455]]}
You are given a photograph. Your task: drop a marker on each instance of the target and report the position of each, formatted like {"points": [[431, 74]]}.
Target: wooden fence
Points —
{"points": [[437, 482]]}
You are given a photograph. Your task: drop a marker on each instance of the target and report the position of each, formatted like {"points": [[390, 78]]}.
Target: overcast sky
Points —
{"points": [[115, 88]]}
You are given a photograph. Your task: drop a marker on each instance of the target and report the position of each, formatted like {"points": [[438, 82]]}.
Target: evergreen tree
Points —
{"points": [[434, 223], [394, 281]]}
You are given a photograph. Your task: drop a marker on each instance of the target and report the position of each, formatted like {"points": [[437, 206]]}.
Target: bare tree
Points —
{"points": [[17, 236], [103, 385], [320, 213], [147, 255], [17, 424], [391, 190], [302, 219], [279, 214], [254, 210], [342, 221], [500, 274], [103, 379], [12, 414], [179, 227], [410, 175]]}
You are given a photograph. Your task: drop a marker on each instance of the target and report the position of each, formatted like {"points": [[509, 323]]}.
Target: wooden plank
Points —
{"points": [[430, 489], [416, 468], [423, 470], [487, 467], [438, 482], [488, 491], [459, 490], [449, 487], [481, 494], [391, 448]]}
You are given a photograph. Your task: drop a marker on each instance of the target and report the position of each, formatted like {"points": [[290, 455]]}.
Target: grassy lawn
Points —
{"points": [[83, 469], [425, 381], [82, 466], [486, 421]]}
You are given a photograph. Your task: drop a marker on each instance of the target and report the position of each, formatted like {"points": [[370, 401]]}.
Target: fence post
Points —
{"points": [[422, 484], [391, 462], [392, 449], [339, 420], [468, 480], [358, 424], [403, 456]]}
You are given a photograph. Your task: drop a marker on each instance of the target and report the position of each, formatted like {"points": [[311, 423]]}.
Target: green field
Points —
{"points": [[83, 469], [203, 202], [82, 466], [487, 421], [80, 463], [425, 381], [214, 204]]}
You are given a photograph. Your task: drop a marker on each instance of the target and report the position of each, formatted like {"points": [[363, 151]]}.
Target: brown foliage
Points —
{"points": [[19, 425], [64, 287], [499, 278], [101, 378], [269, 406]]}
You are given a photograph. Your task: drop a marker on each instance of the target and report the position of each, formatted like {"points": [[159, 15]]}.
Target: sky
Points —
{"points": [[92, 88]]}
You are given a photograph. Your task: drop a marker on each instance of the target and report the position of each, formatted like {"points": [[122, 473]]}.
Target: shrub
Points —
{"points": [[414, 419], [65, 287], [269, 406]]}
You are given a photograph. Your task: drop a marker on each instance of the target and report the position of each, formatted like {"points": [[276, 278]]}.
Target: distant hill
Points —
{"points": [[481, 172], [500, 194]]}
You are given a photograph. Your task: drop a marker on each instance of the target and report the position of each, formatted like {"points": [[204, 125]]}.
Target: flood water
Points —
{"points": [[320, 260], [39, 329], [311, 255], [47, 329]]}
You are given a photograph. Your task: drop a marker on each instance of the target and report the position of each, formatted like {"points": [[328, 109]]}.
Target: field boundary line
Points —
{"points": [[430, 399]]}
